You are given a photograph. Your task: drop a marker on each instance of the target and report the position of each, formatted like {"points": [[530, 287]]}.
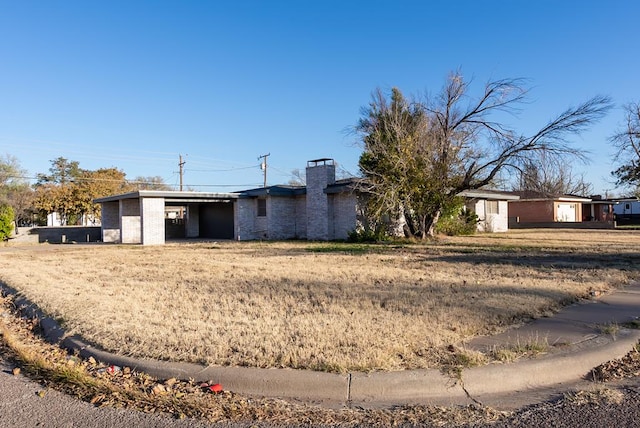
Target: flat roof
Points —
{"points": [[170, 195], [489, 194]]}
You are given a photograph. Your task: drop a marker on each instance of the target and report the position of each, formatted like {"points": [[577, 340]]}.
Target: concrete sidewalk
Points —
{"points": [[579, 338]]}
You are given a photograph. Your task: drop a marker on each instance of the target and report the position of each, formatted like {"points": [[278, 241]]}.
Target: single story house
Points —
{"points": [[324, 209], [599, 210], [491, 207], [535, 209]]}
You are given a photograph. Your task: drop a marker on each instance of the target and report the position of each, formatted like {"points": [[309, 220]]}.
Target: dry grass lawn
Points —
{"points": [[322, 306]]}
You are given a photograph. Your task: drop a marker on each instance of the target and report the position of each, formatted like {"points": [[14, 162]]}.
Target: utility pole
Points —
{"points": [[181, 165], [263, 166]]}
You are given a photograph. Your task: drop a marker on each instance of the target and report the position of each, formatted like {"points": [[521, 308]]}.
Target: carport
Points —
{"points": [[142, 217]]}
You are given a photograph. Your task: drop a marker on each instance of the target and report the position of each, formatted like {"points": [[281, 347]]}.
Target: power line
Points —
{"points": [[94, 179], [222, 170]]}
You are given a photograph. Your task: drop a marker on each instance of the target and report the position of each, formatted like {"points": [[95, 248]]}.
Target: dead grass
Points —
{"points": [[310, 305], [122, 387]]}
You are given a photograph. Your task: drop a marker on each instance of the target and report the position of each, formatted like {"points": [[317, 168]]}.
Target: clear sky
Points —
{"points": [[134, 84]]}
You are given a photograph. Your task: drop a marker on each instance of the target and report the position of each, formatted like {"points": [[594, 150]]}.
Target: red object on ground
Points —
{"points": [[216, 388]]}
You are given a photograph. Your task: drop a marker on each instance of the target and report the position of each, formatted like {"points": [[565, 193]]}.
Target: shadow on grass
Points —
{"points": [[551, 260]]}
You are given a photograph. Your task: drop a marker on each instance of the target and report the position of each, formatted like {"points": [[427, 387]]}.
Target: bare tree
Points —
{"points": [[297, 178], [551, 177], [149, 183], [418, 156], [627, 143]]}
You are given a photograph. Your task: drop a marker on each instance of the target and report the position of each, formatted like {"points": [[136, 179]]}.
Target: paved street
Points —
{"points": [[21, 405]]}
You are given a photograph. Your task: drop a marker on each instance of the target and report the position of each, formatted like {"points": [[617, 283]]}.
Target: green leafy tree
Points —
{"points": [[627, 143], [90, 185], [70, 190], [15, 190], [7, 222], [418, 156], [55, 192]]}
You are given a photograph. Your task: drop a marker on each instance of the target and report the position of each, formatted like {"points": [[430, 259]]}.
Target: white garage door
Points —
{"points": [[566, 212]]}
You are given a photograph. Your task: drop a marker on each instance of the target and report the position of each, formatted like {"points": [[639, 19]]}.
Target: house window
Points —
{"points": [[492, 207], [262, 207]]}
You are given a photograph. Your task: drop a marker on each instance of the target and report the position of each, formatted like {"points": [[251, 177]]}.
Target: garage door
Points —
{"points": [[566, 212]]}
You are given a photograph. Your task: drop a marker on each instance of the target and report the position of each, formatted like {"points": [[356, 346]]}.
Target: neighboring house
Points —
{"points": [[599, 210], [535, 209], [54, 220], [491, 207], [325, 209]]}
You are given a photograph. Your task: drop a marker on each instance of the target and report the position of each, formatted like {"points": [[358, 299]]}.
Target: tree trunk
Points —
{"points": [[423, 227], [431, 229]]}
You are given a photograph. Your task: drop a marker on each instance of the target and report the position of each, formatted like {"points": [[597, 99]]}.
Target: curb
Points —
{"points": [[376, 389]]}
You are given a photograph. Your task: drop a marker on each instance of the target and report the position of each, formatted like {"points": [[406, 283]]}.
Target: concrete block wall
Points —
{"points": [[192, 227], [281, 214], [152, 216], [344, 214], [130, 226], [110, 222], [245, 219], [301, 217]]}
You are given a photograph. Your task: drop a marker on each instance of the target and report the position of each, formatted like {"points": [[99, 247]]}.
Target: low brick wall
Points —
{"points": [[563, 225], [66, 234]]}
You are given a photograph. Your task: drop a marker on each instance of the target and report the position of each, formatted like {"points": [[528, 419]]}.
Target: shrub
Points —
{"points": [[367, 235], [6, 222], [465, 222]]}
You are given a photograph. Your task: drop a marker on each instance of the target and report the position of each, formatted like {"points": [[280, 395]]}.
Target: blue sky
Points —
{"points": [[135, 84]]}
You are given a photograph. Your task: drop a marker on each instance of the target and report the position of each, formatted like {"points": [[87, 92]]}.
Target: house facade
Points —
{"points": [[324, 209], [491, 207], [534, 207], [538, 210]]}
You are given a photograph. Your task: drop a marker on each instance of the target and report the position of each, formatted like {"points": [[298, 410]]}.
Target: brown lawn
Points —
{"points": [[322, 306]]}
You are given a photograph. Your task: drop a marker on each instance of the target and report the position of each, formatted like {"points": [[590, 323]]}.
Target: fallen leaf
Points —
{"points": [[16, 371], [158, 389]]}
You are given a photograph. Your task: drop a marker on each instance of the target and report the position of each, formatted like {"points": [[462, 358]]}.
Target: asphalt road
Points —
{"points": [[565, 413], [24, 403]]}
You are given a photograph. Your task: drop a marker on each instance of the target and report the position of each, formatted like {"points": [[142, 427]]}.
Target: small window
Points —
{"points": [[492, 207], [627, 206], [262, 207]]}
